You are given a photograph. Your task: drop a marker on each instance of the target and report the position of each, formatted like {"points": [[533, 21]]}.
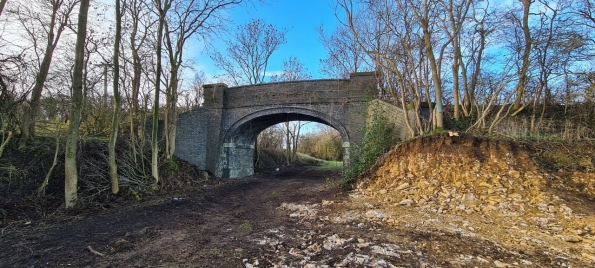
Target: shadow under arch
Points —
{"points": [[239, 141]]}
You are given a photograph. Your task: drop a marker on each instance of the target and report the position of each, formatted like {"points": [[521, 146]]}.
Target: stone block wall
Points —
{"points": [[394, 114], [191, 141]]}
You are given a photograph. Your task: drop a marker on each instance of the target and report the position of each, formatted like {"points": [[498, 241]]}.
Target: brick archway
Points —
{"points": [[219, 136], [239, 141]]}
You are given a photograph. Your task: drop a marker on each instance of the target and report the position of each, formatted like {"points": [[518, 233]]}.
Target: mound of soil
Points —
{"points": [[460, 175], [570, 166], [481, 187]]}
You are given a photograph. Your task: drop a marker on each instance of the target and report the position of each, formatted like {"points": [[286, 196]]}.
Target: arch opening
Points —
{"points": [[237, 159]]}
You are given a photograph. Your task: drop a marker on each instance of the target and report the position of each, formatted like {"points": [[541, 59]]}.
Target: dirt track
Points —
{"points": [[213, 229]]}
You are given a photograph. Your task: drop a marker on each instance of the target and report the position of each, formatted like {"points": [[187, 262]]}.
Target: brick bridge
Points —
{"points": [[220, 136]]}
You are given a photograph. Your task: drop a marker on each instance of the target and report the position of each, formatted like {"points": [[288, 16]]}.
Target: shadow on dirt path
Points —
{"points": [[206, 230]]}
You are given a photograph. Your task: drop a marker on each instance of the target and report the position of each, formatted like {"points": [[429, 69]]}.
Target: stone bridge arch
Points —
{"points": [[240, 140], [219, 136]]}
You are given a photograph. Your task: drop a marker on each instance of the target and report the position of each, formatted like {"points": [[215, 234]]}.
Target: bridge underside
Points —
{"points": [[239, 144]]}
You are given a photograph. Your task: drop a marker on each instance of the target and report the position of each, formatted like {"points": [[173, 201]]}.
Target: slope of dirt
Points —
{"points": [[480, 188], [436, 201]]}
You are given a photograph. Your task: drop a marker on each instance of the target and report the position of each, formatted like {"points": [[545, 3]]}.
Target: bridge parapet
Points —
{"points": [[296, 92], [213, 95]]}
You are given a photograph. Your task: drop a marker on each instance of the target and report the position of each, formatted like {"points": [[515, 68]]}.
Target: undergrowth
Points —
{"points": [[22, 171], [379, 137]]}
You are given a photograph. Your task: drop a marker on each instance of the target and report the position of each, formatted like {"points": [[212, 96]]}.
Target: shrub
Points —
{"points": [[379, 137]]}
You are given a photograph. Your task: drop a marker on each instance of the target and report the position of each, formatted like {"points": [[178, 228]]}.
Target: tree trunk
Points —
{"points": [[287, 144], [435, 78], [170, 112], [425, 24], [296, 135], [70, 169], [30, 114], [456, 89], [155, 127], [2, 5], [31, 111], [113, 167], [136, 80], [470, 92], [520, 88]]}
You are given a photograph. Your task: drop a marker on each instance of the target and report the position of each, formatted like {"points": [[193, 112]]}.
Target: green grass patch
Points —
{"points": [[320, 164], [245, 228]]}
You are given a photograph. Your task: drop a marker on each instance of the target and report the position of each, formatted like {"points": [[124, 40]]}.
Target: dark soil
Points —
{"points": [[209, 229]]}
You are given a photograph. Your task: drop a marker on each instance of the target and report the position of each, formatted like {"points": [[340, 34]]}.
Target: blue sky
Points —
{"points": [[301, 17]]}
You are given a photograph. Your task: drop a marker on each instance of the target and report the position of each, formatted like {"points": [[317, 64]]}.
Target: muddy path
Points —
{"points": [[207, 229]]}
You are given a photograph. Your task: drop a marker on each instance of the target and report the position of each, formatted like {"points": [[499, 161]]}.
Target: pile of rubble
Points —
{"points": [[463, 175]]}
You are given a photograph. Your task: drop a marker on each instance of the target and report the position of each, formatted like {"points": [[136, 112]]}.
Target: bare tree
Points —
{"points": [[185, 20], [293, 70], [586, 14], [527, 41], [345, 56], [117, 101], [141, 22], [162, 9], [390, 35], [247, 55], [457, 12], [76, 109], [476, 44], [424, 12], [192, 97], [34, 20]]}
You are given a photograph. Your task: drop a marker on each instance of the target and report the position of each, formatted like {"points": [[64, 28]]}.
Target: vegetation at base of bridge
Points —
{"points": [[379, 137], [24, 191]]}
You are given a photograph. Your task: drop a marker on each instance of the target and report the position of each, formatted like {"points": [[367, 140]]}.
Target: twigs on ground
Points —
{"points": [[95, 252]]}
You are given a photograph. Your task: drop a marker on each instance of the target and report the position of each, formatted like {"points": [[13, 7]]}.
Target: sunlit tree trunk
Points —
{"points": [[171, 114], [457, 14], [162, 9], [113, 167], [138, 36], [72, 137], [471, 89], [523, 73], [424, 19], [287, 144]]}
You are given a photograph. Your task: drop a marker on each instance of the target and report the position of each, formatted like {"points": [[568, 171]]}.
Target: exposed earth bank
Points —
{"points": [[436, 201]]}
